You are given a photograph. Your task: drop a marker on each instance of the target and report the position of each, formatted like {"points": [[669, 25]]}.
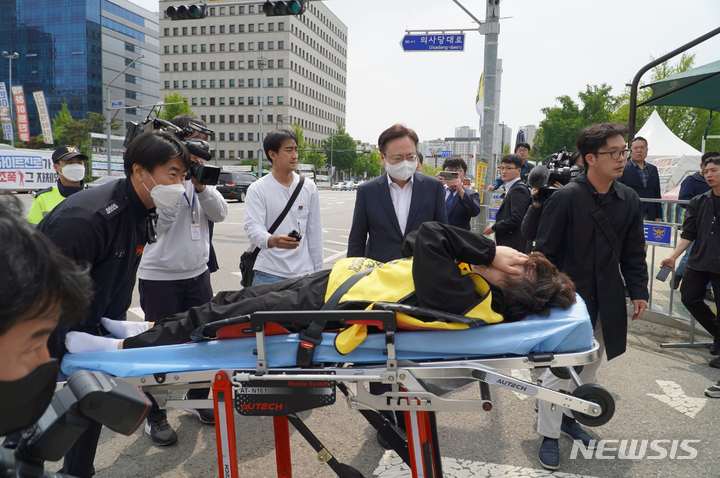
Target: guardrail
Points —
{"points": [[659, 235]]}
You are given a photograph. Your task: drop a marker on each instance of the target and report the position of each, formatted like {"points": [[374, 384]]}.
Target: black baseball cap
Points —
{"points": [[67, 152]]}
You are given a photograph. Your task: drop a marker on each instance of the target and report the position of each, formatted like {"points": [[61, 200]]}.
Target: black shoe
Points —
{"points": [[572, 429], [549, 454], [160, 432], [205, 415], [382, 442]]}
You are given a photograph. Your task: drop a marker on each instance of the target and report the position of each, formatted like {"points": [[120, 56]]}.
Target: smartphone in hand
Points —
{"points": [[663, 274]]}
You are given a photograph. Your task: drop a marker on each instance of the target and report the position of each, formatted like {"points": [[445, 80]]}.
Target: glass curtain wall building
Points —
{"points": [[69, 49]]}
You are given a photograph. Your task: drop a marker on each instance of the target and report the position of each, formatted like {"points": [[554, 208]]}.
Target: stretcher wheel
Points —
{"points": [[563, 373], [596, 394], [347, 471]]}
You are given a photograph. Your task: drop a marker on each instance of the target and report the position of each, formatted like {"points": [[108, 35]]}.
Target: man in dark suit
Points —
{"points": [[643, 177], [514, 206], [393, 205], [461, 203]]}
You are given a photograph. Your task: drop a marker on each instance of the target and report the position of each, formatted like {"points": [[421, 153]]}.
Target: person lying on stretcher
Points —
{"points": [[447, 269]]}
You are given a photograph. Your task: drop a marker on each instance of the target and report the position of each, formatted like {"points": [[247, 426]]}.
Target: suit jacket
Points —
{"points": [[460, 211], [375, 231], [510, 215], [631, 177]]}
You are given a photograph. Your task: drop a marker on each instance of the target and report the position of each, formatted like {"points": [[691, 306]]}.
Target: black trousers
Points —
{"points": [[303, 293], [160, 299], [692, 292]]}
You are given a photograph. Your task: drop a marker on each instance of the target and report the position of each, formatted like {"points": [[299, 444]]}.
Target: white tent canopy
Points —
{"points": [[674, 158]]}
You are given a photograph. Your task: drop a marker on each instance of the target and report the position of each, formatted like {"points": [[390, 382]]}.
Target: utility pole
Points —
{"points": [[261, 66], [108, 85], [10, 57], [492, 17], [332, 171]]}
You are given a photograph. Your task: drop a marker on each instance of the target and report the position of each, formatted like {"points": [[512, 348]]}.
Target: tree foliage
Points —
{"points": [[340, 148], [180, 106]]}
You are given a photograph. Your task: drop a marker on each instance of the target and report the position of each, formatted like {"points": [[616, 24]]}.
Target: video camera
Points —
{"points": [[203, 173], [559, 168], [86, 398]]}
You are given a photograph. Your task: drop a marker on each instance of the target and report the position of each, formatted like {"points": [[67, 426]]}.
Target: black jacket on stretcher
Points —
{"points": [[435, 277]]}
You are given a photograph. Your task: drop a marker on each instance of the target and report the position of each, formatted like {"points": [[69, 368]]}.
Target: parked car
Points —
{"points": [[234, 185], [338, 186]]}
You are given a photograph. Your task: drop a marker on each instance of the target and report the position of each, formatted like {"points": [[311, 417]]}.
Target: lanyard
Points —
{"points": [[191, 204]]}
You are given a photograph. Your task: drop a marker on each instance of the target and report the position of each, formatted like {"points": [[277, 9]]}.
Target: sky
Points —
{"points": [[548, 49]]}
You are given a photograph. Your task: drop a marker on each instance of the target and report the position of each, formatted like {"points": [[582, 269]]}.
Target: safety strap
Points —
{"points": [[284, 212], [311, 336]]}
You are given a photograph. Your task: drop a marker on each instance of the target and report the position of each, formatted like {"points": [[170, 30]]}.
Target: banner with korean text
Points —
{"points": [[45, 124], [21, 116], [5, 119]]}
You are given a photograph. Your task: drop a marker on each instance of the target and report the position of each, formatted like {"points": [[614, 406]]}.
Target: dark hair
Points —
{"points": [[542, 288], [710, 157], [522, 145], [420, 157], [36, 277], [455, 163], [153, 149], [183, 121], [512, 159], [275, 139], [639, 138], [394, 132], [594, 137]]}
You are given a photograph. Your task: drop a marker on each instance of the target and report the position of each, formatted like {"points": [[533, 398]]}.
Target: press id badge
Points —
{"points": [[195, 232]]}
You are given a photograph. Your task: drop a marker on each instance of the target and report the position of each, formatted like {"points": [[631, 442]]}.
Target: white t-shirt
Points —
{"points": [[265, 200]]}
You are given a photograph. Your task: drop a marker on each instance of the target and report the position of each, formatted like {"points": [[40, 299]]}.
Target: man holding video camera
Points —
{"points": [[592, 229], [173, 273], [106, 229]]}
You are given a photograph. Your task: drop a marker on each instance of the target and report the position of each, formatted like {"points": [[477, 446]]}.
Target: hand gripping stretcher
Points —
{"points": [[259, 376]]}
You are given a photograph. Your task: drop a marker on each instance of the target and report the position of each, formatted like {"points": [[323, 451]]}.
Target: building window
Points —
{"points": [[281, 82], [202, 48], [184, 84], [212, 48], [241, 46], [271, 27], [241, 119], [251, 64], [281, 26], [203, 102], [221, 118], [212, 29], [212, 66], [222, 29], [270, 83], [231, 64], [221, 136], [184, 31], [131, 111], [175, 84], [184, 66], [281, 45], [212, 119], [193, 30], [167, 67], [251, 46], [261, 45], [250, 154], [167, 49], [221, 65], [271, 45], [212, 83], [271, 64], [281, 100], [231, 118], [270, 101], [193, 66], [231, 28], [130, 78], [241, 10], [251, 28], [222, 103], [203, 84], [270, 119], [193, 101], [166, 32], [184, 49], [193, 84], [241, 28], [231, 137], [202, 31], [281, 64], [167, 84], [251, 83]]}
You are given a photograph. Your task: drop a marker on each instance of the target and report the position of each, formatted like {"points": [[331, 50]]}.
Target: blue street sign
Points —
{"points": [[445, 154], [434, 42], [492, 214], [658, 234]]}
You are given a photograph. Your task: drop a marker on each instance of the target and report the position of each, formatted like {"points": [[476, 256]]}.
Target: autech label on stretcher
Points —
{"points": [[262, 398]]}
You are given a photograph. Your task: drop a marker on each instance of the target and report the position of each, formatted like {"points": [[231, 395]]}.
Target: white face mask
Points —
{"points": [[401, 171], [73, 172], [166, 196]]}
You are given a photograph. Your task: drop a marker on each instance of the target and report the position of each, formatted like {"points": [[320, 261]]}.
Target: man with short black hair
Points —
{"points": [[516, 200], [643, 177], [592, 229], [462, 203], [106, 229], [396, 203], [70, 165], [283, 255], [522, 151], [702, 225]]}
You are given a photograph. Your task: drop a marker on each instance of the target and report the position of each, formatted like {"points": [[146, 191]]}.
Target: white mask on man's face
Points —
{"points": [[73, 172], [165, 196], [401, 171]]}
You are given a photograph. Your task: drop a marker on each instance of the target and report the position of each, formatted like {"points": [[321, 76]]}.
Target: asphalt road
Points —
{"points": [[659, 396]]}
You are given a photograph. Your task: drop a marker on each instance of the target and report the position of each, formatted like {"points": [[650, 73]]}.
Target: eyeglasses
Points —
{"points": [[398, 158], [615, 155], [507, 168]]}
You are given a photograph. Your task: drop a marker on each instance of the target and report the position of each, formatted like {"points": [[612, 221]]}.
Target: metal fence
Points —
{"points": [[661, 237]]}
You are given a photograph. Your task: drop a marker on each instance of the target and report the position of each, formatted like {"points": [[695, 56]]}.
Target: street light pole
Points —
{"points": [[10, 57], [332, 171], [108, 85], [261, 65]]}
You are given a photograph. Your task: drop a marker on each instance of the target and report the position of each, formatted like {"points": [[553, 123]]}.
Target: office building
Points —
{"points": [[245, 73], [69, 49]]}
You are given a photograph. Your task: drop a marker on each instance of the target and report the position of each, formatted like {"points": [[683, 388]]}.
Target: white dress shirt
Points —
{"points": [[509, 184], [265, 200], [401, 197]]}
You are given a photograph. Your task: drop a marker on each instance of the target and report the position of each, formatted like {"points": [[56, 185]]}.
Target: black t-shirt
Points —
{"points": [[702, 225]]}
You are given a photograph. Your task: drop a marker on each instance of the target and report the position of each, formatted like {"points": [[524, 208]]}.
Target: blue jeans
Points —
{"points": [[260, 277], [680, 271]]}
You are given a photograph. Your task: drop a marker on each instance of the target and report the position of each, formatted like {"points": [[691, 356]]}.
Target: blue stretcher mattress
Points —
{"points": [[563, 331]]}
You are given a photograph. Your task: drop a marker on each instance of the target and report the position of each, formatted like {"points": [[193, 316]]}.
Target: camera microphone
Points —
{"points": [[538, 176]]}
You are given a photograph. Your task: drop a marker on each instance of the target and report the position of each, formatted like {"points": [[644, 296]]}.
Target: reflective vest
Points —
{"points": [[44, 202], [393, 282]]}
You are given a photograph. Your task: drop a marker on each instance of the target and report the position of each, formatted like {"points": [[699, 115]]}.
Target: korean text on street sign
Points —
{"points": [[434, 42]]}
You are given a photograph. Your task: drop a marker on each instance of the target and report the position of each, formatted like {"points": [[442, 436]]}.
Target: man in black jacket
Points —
{"points": [[515, 204], [643, 177], [702, 225], [592, 229]]}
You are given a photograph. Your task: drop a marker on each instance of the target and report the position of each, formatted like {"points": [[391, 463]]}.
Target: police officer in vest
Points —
{"points": [[70, 164], [106, 229]]}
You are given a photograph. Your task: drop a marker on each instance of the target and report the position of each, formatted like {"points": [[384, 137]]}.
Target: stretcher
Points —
{"points": [[258, 376]]}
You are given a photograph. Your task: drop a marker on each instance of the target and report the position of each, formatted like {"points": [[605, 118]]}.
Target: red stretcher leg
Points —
{"points": [[282, 447], [225, 426], [423, 445]]}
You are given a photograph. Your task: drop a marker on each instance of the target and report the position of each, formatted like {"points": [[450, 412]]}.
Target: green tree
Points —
{"points": [[559, 128], [341, 149], [368, 164], [306, 154], [180, 106]]}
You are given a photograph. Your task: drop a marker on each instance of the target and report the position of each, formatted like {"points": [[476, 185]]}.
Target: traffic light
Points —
{"points": [[186, 12], [276, 9]]}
